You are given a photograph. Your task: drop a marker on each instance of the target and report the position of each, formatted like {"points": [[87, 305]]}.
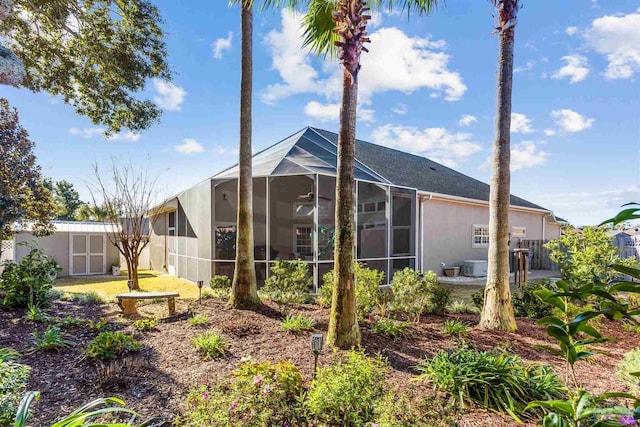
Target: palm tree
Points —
{"points": [[244, 289], [497, 312], [340, 27]]}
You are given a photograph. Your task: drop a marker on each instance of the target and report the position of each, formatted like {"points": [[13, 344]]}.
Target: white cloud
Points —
{"points": [[570, 122], [88, 133], [618, 38], [436, 143], [571, 30], [526, 155], [466, 120], [169, 96], [223, 151], [400, 109], [549, 132], [529, 65], [576, 68], [331, 112], [520, 123], [222, 44], [189, 146], [396, 62]]}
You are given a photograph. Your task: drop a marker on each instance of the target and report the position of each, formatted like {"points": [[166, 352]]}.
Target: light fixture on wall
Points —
{"points": [[224, 196]]}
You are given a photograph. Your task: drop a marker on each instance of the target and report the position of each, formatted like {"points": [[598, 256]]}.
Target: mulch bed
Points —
{"points": [[156, 380]]}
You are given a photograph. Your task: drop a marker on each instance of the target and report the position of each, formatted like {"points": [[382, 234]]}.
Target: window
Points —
{"points": [[171, 229], [303, 210], [304, 241], [480, 236], [225, 241], [519, 232]]}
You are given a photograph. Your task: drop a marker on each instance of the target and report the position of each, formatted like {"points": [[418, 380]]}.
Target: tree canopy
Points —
{"points": [[65, 197], [24, 199], [96, 54]]}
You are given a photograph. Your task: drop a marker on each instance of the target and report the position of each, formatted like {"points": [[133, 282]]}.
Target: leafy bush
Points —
{"points": [[145, 325], [51, 339], [454, 328], [525, 303], [344, 393], [414, 293], [13, 381], [368, 293], [288, 283], [86, 298], [391, 328], [629, 366], [297, 323], [260, 395], [461, 307], [36, 314], [199, 319], [495, 380], [29, 281], [220, 287], [109, 345], [210, 344]]}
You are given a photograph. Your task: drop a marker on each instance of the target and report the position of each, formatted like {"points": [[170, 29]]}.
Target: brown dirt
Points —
{"points": [[156, 380]]}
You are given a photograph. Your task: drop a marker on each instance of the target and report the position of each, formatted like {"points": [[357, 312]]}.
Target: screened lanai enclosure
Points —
{"points": [[293, 216]]}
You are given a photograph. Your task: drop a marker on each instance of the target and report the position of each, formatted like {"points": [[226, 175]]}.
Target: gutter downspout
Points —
{"points": [[421, 200]]}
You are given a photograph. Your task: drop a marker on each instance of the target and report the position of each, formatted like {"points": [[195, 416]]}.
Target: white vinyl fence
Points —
{"points": [[7, 251]]}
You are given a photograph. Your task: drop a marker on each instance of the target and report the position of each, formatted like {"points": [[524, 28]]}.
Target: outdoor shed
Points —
{"points": [[80, 248]]}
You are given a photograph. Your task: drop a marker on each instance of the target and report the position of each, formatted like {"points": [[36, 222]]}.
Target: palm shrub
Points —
{"points": [[109, 345], [260, 394], [368, 293], [462, 306], [210, 344], [13, 380], [344, 393], [297, 323], [29, 281], [51, 339], [289, 283], [496, 380]]}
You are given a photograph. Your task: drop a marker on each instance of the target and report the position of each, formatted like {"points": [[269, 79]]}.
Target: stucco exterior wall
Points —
{"points": [[157, 248], [447, 231]]}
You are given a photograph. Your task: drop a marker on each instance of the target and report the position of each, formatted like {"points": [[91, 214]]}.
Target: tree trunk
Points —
{"points": [[343, 324], [497, 312], [134, 271], [244, 290]]}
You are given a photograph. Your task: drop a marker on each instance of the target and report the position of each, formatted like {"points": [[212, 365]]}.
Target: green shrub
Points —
{"points": [[298, 323], [220, 287], [454, 328], [289, 283], [86, 298], [344, 393], [391, 328], [36, 314], [145, 325], [414, 293], [69, 322], [109, 345], [401, 409], [199, 319], [29, 281], [495, 380], [628, 366], [51, 339], [100, 325], [461, 307], [8, 354], [368, 293], [210, 344], [13, 381], [260, 395], [525, 302]]}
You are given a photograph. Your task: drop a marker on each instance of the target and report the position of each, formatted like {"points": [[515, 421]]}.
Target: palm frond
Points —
{"points": [[319, 28], [421, 7]]}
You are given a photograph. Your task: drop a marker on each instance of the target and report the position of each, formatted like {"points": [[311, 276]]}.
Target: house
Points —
{"points": [[411, 212], [627, 242], [79, 247]]}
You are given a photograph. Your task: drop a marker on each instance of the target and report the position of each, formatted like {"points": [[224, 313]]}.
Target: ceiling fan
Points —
{"points": [[310, 196]]}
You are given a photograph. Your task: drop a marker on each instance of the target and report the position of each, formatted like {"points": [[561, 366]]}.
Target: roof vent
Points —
{"points": [[432, 168]]}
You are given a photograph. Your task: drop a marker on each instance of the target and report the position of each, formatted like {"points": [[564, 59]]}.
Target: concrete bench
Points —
{"points": [[128, 301]]}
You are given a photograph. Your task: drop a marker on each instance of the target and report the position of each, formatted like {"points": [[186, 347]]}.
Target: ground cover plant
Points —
{"points": [[211, 345], [455, 328], [392, 328], [199, 319], [51, 339], [109, 345], [145, 325], [297, 323], [13, 382]]}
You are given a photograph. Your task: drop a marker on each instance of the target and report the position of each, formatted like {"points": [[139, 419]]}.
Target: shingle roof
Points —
{"points": [[418, 172]]}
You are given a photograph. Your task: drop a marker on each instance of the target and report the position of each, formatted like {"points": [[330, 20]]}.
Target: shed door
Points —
{"points": [[87, 254]]}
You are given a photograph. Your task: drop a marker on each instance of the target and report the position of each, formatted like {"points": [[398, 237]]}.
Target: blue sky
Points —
{"points": [[427, 86]]}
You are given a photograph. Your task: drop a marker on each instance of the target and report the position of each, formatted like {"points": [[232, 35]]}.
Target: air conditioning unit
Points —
{"points": [[474, 268]]}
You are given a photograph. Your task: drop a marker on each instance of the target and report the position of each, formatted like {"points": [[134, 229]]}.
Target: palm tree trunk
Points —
{"points": [[244, 290], [497, 312], [343, 323]]}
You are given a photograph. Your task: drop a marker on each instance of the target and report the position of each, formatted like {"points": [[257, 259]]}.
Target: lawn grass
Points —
{"points": [[110, 286]]}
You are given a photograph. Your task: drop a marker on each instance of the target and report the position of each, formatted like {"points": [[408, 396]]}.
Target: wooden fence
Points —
{"points": [[539, 256]]}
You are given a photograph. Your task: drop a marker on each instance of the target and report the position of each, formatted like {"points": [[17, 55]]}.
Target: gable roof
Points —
{"points": [[313, 150], [410, 170]]}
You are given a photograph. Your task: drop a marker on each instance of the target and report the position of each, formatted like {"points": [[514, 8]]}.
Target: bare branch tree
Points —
{"points": [[127, 196]]}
